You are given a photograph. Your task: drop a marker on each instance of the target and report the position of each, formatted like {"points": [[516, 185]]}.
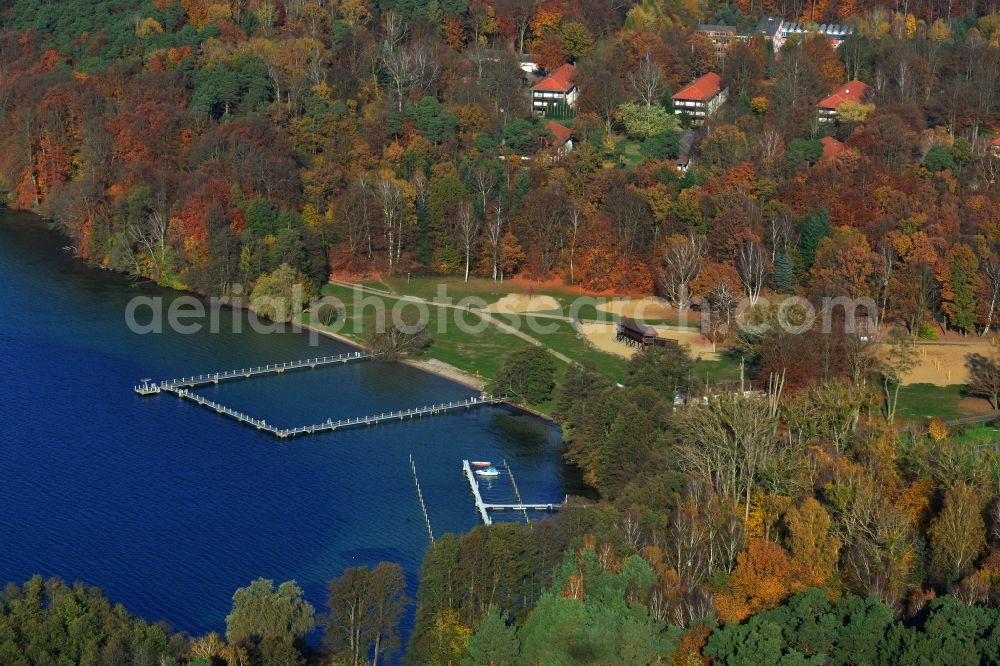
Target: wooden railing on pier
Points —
{"points": [[398, 415], [246, 373], [182, 389], [341, 424]]}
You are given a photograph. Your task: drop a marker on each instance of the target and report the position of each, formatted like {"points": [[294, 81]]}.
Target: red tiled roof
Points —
{"points": [[561, 133], [853, 91], [559, 80], [831, 148], [996, 141], [701, 89]]}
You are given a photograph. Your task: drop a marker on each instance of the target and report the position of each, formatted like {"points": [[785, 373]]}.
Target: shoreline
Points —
{"points": [[432, 366]]}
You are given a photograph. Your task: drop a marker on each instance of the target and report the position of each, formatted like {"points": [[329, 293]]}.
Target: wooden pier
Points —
{"points": [[480, 505], [182, 389], [484, 508], [151, 388], [341, 424]]}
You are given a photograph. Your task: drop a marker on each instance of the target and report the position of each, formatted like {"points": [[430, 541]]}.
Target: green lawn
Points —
{"points": [[428, 287], [562, 337], [629, 152], [726, 369], [477, 353], [919, 402], [482, 353], [978, 434]]}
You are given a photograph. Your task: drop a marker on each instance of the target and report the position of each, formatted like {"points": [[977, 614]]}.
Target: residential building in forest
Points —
{"points": [[561, 139], [721, 37], [555, 89], [831, 148], [852, 91], [778, 31], [700, 98]]}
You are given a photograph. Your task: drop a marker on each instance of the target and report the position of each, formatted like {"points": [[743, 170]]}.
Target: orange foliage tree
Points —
{"points": [[760, 581], [814, 551]]}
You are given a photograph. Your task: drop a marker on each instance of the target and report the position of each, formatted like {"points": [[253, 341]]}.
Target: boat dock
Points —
{"points": [[341, 424], [182, 389], [151, 388], [480, 505], [484, 508]]}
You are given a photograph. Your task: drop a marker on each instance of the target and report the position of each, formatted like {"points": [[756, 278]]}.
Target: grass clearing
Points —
{"points": [[980, 434], [479, 350], [477, 353], [919, 402], [725, 369]]}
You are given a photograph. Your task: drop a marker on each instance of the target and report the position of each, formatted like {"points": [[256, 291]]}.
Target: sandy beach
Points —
{"points": [[602, 337], [431, 365]]}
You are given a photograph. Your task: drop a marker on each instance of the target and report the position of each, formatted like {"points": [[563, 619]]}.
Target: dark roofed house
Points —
{"points": [[639, 335], [852, 91], [556, 88], [700, 98], [769, 26], [835, 32]]}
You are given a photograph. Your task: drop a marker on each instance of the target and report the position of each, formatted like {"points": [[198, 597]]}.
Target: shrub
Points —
{"points": [[527, 374], [939, 159], [664, 146], [927, 332]]}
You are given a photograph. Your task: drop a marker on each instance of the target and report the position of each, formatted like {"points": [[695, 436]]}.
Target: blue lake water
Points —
{"points": [[169, 507]]}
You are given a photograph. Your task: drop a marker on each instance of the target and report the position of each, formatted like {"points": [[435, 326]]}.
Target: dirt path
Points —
{"points": [[482, 314]]}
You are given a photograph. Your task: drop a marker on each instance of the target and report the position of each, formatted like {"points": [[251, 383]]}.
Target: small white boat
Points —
{"points": [[480, 464], [488, 473]]}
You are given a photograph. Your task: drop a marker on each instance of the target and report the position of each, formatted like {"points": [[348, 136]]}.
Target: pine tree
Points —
{"points": [[815, 227], [783, 277], [495, 641], [522, 188]]}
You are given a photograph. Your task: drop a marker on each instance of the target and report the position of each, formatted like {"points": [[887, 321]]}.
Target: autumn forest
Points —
{"points": [[213, 146]]}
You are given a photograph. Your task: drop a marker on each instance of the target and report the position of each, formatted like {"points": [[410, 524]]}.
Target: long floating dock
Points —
{"points": [[147, 388], [484, 508], [342, 424], [182, 389]]}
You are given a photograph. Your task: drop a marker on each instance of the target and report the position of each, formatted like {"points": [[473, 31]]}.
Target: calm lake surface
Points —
{"points": [[169, 507]]}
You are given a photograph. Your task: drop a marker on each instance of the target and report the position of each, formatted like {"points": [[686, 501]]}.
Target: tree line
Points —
{"points": [[265, 144], [50, 622]]}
